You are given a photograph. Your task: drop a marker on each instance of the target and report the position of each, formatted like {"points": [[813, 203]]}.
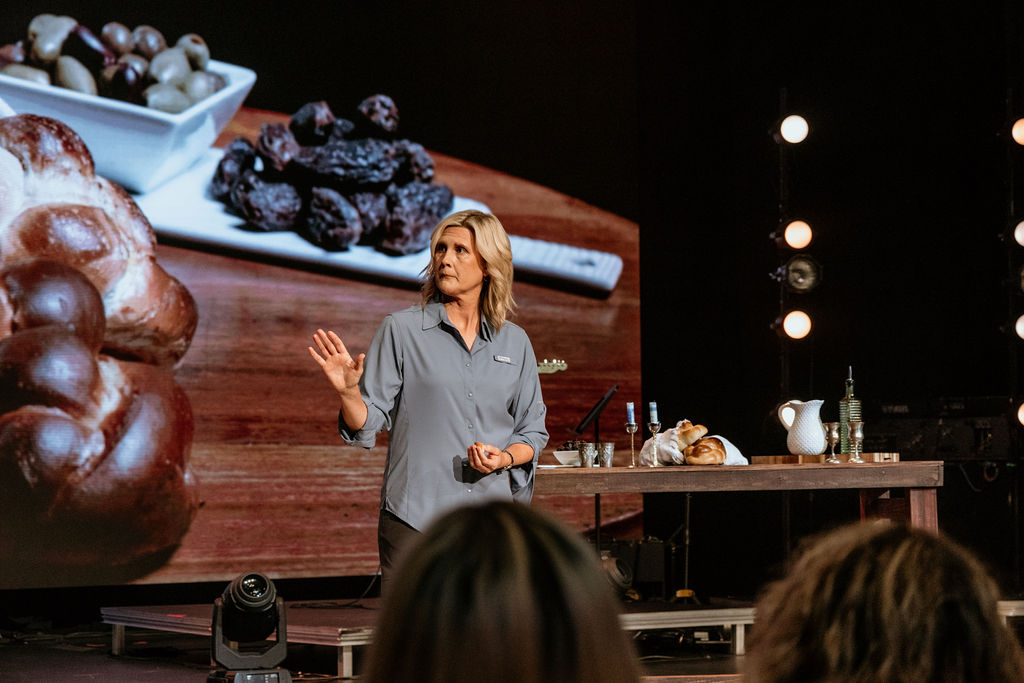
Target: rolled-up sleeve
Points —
{"points": [[530, 415], [380, 386]]}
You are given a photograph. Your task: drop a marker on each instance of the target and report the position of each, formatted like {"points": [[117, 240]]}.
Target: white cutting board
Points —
{"points": [[182, 208]]}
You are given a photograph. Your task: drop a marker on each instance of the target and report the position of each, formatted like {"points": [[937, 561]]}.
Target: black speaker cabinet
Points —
{"points": [[949, 429], [978, 438]]}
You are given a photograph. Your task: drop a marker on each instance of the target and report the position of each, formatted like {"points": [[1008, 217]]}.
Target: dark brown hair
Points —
{"points": [[877, 601], [500, 593]]}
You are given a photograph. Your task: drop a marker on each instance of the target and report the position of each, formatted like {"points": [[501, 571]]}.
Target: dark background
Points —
{"points": [[905, 176], [662, 112]]}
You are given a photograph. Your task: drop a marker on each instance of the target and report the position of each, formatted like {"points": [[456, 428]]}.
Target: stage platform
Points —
{"points": [[346, 625]]}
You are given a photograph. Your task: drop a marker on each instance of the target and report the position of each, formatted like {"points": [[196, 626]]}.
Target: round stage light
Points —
{"points": [[1020, 413], [796, 324], [802, 274], [798, 234], [1018, 234], [1018, 327], [244, 617], [1017, 131], [794, 129], [250, 612]]}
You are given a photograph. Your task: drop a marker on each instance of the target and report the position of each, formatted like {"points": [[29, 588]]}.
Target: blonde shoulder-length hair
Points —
{"points": [[492, 243]]}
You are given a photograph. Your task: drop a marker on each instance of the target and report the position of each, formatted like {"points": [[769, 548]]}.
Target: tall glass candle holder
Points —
{"points": [[654, 424], [655, 427], [631, 430]]}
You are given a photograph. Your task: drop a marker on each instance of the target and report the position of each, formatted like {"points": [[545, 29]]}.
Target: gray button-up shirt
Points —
{"points": [[436, 398]]}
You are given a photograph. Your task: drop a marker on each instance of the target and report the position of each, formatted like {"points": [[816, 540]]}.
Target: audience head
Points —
{"points": [[500, 592], [877, 601]]}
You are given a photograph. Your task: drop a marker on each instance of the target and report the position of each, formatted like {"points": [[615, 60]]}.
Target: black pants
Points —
{"points": [[393, 536]]}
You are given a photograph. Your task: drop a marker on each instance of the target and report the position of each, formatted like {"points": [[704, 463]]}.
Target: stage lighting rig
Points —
{"points": [[244, 617], [1013, 238], [796, 274]]}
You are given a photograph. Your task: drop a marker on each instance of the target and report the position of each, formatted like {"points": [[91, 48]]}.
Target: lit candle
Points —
{"points": [[629, 413], [654, 411]]}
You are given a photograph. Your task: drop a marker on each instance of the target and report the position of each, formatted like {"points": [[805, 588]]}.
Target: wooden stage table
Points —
{"points": [[876, 481]]}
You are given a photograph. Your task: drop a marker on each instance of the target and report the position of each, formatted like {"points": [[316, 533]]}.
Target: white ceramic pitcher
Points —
{"points": [[802, 419]]}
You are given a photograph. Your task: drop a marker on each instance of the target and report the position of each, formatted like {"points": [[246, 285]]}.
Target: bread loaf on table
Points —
{"points": [[54, 206], [705, 451], [93, 449]]}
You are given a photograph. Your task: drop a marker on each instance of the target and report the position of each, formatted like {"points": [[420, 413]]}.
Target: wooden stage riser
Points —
{"points": [[354, 628]]}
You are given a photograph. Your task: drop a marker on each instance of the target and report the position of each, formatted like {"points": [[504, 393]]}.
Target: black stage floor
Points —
{"points": [[39, 651]]}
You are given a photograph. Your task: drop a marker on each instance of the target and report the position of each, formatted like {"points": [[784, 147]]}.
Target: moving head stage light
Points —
{"points": [[244, 617]]}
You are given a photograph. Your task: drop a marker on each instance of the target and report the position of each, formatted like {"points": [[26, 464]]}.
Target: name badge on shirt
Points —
{"points": [[503, 359]]}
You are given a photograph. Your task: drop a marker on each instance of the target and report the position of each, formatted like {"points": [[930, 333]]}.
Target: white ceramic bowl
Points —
{"points": [[132, 145], [568, 457]]}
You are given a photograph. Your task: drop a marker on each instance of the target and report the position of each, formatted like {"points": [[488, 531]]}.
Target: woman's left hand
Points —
{"points": [[486, 458]]}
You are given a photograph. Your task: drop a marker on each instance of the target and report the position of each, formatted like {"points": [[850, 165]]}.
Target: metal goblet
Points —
{"points": [[855, 436], [832, 438]]}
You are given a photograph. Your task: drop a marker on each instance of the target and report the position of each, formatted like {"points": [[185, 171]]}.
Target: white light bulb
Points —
{"points": [[1017, 132], [794, 129], [798, 234], [1018, 234], [1018, 327], [796, 324]]}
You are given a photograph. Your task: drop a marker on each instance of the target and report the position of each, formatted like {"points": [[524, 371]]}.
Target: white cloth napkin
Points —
{"points": [[669, 452]]}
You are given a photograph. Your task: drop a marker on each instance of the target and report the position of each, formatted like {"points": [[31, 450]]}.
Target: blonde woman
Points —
{"points": [[882, 602], [453, 382]]}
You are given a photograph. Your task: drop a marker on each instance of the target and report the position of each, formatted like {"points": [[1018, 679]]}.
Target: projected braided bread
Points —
{"points": [[53, 205], [95, 434], [93, 449]]}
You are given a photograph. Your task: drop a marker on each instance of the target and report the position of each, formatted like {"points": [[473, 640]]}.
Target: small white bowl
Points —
{"points": [[132, 145], [568, 457]]}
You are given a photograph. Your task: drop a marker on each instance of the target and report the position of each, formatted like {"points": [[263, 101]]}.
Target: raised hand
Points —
{"points": [[341, 369]]}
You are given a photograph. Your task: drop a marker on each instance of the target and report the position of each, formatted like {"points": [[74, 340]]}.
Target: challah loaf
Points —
{"points": [[706, 451], [93, 449], [54, 206]]}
